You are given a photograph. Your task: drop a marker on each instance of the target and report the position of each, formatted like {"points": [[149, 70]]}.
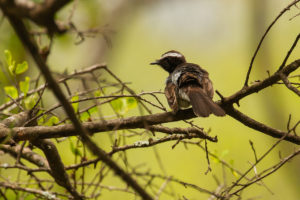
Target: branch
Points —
{"points": [[42, 87], [43, 132], [289, 85], [256, 87], [289, 52], [27, 154], [152, 142], [45, 194], [56, 165], [31, 45], [274, 169], [263, 37], [244, 119], [40, 13]]}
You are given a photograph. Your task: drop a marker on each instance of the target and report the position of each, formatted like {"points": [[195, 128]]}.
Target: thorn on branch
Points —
{"points": [[220, 95]]}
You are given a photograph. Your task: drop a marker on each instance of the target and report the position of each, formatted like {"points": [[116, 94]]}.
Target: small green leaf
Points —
{"points": [[24, 85], [10, 62], [30, 101], [215, 160], [84, 116], [74, 149], [21, 68], [97, 93], [118, 105], [93, 110], [131, 102], [8, 57], [41, 120], [52, 121], [11, 91], [12, 68], [124, 104], [235, 174], [75, 105]]}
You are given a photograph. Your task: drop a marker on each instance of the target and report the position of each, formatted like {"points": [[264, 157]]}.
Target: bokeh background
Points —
{"points": [[219, 35]]}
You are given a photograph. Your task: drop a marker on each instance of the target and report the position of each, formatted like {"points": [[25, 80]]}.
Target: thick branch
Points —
{"points": [[244, 119], [28, 133], [57, 167], [40, 13], [43, 132], [27, 154]]}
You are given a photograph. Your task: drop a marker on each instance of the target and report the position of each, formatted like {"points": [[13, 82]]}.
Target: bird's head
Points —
{"points": [[170, 60]]}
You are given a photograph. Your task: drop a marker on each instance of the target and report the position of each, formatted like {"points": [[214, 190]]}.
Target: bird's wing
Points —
{"points": [[171, 94], [208, 87]]}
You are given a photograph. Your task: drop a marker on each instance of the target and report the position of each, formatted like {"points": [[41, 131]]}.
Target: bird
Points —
{"points": [[188, 85]]}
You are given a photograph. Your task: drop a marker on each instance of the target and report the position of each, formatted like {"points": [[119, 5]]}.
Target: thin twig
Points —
{"points": [[263, 37]]}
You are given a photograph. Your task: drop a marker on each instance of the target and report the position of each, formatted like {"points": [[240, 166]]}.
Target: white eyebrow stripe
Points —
{"points": [[172, 54]]}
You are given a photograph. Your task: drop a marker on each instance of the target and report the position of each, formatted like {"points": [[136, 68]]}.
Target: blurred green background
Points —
{"points": [[221, 36]]}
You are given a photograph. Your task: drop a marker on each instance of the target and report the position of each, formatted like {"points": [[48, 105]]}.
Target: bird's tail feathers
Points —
{"points": [[202, 105]]}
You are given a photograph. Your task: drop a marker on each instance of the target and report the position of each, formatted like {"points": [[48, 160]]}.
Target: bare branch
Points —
{"points": [[288, 84], [263, 37], [40, 13], [289, 52], [57, 167], [43, 194], [244, 119], [274, 169]]}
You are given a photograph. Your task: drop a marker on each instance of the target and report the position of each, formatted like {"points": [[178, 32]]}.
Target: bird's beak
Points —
{"points": [[155, 62]]}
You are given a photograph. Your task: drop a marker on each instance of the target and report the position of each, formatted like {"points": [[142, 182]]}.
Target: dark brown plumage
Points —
{"points": [[188, 84]]}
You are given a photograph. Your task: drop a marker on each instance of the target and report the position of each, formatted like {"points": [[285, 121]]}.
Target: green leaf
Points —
{"points": [[12, 68], [41, 120], [124, 104], [75, 105], [118, 105], [234, 173], [215, 160], [8, 57], [131, 102], [11, 91], [10, 62], [30, 101], [24, 85], [74, 149], [52, 121], [93, 110], [21, 68], [97, 93], [84, 116]]}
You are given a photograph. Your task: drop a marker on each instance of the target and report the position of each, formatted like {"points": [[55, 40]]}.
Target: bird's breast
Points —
{"points": [[175, 77]]}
